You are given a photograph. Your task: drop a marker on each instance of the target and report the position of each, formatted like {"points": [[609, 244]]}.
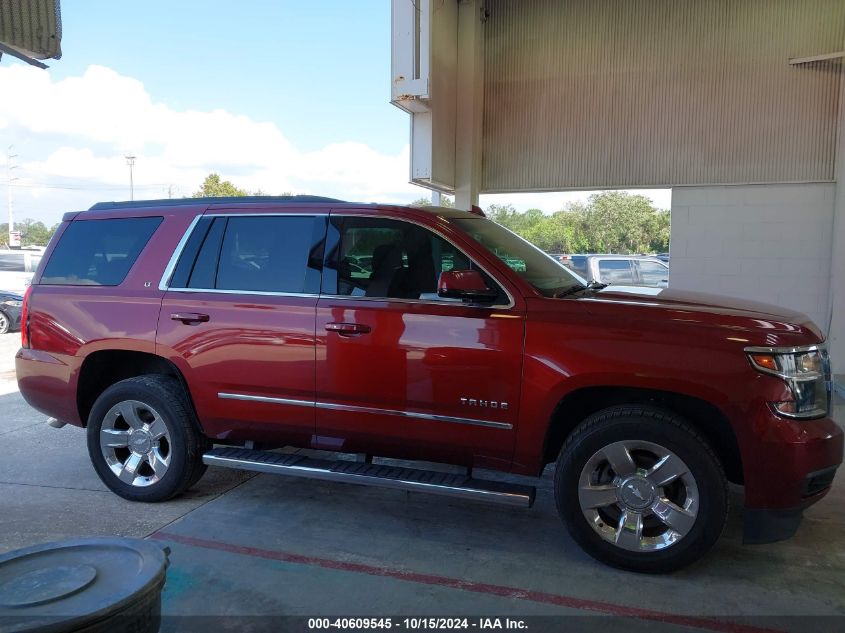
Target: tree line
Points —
{"points": [[33, 232], [607, 222]]}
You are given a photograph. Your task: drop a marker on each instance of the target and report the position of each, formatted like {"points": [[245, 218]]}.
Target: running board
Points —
{"points": [[433, 482]]}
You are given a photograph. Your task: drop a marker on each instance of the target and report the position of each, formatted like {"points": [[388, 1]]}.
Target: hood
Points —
{"points": [[712, 310]]}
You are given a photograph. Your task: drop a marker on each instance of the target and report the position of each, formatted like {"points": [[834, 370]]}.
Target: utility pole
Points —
{"points": [[130, 160], [9, 180]]}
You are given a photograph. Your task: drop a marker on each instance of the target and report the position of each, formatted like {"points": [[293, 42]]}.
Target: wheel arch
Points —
{"points": [[705, 417], [103, 368]]}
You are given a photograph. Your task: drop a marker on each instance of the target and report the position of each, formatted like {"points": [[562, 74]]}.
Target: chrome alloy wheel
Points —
{"points": [[638, 495], [135, 443]]}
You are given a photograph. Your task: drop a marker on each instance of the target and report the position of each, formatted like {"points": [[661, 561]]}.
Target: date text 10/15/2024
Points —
{"points": [[415, 624]]}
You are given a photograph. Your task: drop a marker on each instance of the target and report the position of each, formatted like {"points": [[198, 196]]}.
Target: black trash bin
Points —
{"points": [[94, 585]]}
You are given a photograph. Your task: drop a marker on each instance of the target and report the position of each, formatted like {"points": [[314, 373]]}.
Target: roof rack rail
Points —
{"points": [[180, 202]]}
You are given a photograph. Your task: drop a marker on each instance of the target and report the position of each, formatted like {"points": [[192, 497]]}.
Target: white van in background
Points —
{"points": [[17, 268]]}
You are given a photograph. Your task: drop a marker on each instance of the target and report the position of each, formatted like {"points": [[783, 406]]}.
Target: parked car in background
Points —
{"points": [[17, 268], [10, 311], [619, 270]]}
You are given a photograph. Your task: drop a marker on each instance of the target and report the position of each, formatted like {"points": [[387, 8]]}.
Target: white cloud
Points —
{"points": [[83, 126], [71, 136]]}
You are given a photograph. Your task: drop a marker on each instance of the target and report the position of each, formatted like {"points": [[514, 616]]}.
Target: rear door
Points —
{"points": [[238, 318]]}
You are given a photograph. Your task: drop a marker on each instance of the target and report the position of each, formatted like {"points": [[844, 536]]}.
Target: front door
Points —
{"points": [[238, 319], [400, 371]]}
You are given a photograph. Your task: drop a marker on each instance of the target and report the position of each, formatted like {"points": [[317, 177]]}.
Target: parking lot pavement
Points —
{"points": [[244, 545], [48, 489]]}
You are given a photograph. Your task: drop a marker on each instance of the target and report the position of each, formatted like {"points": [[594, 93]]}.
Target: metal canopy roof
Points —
{"points": [[31, 30]]}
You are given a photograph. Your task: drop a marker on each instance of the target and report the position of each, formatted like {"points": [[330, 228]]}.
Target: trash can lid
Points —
{"points": [[69, 584]]}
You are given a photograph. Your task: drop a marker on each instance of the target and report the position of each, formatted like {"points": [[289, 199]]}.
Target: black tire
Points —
{"points": [[185, 443], [658, 427], [5, 323]]}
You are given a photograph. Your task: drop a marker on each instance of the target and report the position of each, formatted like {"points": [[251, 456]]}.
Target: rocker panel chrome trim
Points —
{"points": [[356, 409]]}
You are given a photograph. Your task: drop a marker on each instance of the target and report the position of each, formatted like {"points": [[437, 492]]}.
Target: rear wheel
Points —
{"points": [[5, 323], [639, 489], [143, 440]]}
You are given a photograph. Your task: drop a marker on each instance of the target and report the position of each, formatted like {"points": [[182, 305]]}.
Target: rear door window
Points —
{"points": [[616, 271], [263, 254], [98, 252]]}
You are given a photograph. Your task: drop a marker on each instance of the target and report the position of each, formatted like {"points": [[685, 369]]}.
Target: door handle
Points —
{"points": [[348, 329], [189, 317]]}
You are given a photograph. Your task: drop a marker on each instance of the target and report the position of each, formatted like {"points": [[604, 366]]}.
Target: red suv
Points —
{"points": [[213, 331]]}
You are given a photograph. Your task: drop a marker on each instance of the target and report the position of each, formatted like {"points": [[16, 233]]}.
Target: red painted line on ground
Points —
{"points": [[606, 608]]}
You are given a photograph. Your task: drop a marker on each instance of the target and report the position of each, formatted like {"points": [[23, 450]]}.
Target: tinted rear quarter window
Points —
{"points": [[98, 252]]}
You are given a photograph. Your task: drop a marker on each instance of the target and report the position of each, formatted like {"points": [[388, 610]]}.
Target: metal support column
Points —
{"points": [[470, 102]]}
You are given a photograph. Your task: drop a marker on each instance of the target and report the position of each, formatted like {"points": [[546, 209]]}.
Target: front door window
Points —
{"points": [[390, 259]]}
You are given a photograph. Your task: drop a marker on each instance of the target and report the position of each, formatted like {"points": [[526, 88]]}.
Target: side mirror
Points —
{"points": [[467, 285]]}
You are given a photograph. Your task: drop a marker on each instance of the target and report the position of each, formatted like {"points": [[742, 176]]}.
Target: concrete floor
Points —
{"points": [[246, 545]]}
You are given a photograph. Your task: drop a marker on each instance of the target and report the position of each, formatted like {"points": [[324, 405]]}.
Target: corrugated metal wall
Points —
{"points": [[33, 27], [614, 93]]}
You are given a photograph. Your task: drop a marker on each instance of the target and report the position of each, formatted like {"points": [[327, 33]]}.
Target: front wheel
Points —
{"points": [[143, 440], [5, 323], [639, 489]]}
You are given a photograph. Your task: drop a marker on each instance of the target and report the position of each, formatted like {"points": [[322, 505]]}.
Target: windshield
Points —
{"points": [[548, 276]]}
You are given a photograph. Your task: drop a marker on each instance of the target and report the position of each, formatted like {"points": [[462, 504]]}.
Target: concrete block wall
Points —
{"points": [[768, 243]]}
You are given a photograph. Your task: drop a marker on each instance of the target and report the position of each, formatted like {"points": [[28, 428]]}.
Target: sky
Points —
{"points": [[280, 96]]}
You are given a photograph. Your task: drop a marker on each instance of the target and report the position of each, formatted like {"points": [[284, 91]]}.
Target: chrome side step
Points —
{"points": [[448, 484]]}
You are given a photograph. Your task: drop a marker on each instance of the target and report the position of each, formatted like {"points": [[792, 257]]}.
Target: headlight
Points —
{"points": [[805, 370], [13, 303]]}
